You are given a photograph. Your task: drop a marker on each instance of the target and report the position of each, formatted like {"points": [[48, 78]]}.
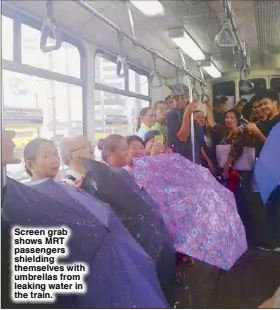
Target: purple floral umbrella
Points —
{"points": [[198, 211]]}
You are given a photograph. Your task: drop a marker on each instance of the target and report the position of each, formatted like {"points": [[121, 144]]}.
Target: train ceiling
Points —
{"points": [[258, 23]]}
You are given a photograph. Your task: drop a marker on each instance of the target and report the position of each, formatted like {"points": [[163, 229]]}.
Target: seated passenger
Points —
{"points": [[42, 160], [153, 147], [71, 149], [161, 108], [146, 121], [114, 150], [136, 148]]}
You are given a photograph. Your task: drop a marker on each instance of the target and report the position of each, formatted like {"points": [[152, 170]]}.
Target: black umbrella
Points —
{"points": [[139, 216], [121, 274]]}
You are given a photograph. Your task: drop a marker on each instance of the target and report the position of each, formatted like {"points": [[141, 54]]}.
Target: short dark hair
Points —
{"points": [[219, 100], [268, 93], [247, 110], [31, 149], [156, 104], [150, 135], [142, 113], [253, 99], [167, 98], [235, 112], [133, 138]]}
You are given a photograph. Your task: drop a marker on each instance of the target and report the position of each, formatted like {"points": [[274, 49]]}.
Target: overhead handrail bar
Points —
{"points": [[95, 13], [122, 67], [227, 8], [50, 29], [154, 74], [130, 19]]}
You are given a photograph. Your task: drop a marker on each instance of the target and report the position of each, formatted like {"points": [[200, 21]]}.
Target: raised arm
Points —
{"points": [[210, 115], [184, 131]]}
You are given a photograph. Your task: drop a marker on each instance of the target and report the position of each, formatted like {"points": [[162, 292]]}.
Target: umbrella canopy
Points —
{"points": [[197, 209], [121, 274], [142, 220], [267, 168]]}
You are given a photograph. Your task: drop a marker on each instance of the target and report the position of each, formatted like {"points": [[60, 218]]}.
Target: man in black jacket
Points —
{"points": [[179, 125]]}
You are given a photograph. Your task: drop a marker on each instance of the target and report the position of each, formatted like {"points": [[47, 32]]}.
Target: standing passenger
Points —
{"points": [[161, 108], [146, 120], [178, 125]]}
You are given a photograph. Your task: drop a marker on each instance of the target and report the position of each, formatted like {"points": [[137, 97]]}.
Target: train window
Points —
{"points": [[66, 60], [7, 38], [115, 114], [105, 73], [138, 83], [35, 107], [226, 89], [259, 84], [275, 84]]}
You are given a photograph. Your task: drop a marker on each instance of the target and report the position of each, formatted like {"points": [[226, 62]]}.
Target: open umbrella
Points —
{"points": [[121, 274], [267, 168], [142, 220], [197, 209]]}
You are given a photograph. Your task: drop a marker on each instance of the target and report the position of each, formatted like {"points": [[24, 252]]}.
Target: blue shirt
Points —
{"points": [[142, 131]]}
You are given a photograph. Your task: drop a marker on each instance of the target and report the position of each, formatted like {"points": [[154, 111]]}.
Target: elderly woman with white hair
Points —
{"points": [[70, 150]]}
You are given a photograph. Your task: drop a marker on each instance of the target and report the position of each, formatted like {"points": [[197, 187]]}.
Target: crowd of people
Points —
{"points": [[226, 141]]}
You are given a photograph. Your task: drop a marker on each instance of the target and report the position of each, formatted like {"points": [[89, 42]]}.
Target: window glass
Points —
{"points": [[226, 89], [115, 114], [138, 83], [7, 38], [275, 84], [66, 60], [105, 73], [259, 84], [34, 107]]}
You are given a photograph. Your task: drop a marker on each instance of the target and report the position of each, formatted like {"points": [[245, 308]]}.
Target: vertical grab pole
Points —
{"points": [[192, 118], [190, 101]]}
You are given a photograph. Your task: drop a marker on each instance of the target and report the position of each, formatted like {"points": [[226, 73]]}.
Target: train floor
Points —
{"points": [[253, 279]]}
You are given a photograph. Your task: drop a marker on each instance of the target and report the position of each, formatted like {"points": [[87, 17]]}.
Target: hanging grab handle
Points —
{"points": [[194, 91], [122, 67], [225, 29], [247, 85], [154, 75], [50, 29], [204, 96]]}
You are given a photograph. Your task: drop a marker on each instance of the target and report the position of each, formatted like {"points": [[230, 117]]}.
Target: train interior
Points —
{"points": [[116, 57]]}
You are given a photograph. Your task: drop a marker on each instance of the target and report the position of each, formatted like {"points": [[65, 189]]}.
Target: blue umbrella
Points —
{"points": [[139, 217], [267, 168], [121, 273]]}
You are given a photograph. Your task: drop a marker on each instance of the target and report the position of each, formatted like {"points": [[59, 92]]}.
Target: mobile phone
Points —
{"points": [[253, 119], [159, 138], [243, 121]]}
